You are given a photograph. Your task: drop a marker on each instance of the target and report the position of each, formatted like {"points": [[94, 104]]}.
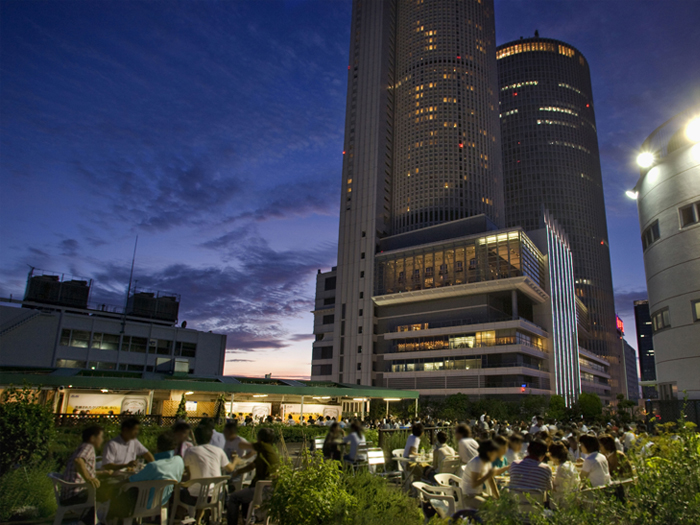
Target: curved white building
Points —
{"points": [[668, 200]]}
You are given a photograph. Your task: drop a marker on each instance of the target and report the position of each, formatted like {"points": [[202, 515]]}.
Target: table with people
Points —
{"points": [[484, 457]]}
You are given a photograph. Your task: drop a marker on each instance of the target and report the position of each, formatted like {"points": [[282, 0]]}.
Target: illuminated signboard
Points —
{"points": [[620, 325]]}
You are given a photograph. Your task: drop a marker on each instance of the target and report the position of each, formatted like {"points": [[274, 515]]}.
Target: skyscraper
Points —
{"points": [[551, 161], [422, 144], [645, 347]]}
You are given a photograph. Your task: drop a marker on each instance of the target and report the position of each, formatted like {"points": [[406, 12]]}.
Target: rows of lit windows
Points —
{"points": [[534, 46], [559, 110], [475, 340], [519, 85], [474, 260], [557, 123], [590, 364], [507, 113], [569, 145], [567, 86]]}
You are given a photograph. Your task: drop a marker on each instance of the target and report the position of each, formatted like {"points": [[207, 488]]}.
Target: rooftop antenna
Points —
{"points": [[131, 278], [537, 33]]}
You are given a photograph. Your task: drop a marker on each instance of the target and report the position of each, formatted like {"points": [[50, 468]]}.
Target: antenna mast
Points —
{"points": [[131, 278]]}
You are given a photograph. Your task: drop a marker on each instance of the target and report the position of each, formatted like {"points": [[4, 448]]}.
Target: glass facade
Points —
{"points": [[499, 256], [433, 364], [470, 340]]}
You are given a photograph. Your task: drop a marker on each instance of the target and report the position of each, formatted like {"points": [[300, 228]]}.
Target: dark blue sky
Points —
{"points": [[214, 131]]}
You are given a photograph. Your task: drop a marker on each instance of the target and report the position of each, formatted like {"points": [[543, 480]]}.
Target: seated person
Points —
{"points": [[477, 479], [574, 450], [182, 432], [530, 474], [595, 465], [515, 447], [501, 463], [413, 442], [467, 446], [81, 469], [442, 452], [204, 461], [618, 464], [233, 441], [265, 465], [165, 466], [217, 438], [122, 451], [355, 438], [565, 473], [331, 445]]}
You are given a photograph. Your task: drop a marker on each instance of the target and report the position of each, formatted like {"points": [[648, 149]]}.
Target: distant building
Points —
{"points": [[630, 379], [551, 161], [595, 375], [57, 327], [668, 201], [645, 348]]}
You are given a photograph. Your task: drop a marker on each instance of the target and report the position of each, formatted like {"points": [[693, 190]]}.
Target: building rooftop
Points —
{"points": [[118, 380]]}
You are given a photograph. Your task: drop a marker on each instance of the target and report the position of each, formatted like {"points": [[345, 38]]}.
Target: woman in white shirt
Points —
{"points": [[595, 465], [480, 472], [565, 474]]}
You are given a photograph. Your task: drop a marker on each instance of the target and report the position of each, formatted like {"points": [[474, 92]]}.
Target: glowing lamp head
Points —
{"points": [[692, 130], [631, 194], [645, 159]]}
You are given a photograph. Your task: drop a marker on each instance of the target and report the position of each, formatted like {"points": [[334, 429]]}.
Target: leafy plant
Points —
{"points": [[26, 428], [27, 491], [313, 495], [181, 412], [557, 407]]}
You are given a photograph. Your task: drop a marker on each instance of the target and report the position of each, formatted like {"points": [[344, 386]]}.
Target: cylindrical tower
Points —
{"points": [[551, 161], [668, 200], [447, 162]]}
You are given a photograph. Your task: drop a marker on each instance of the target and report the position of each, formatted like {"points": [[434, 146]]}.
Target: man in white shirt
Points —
{"points": [[441, 452], [122, 451], [204, 461], [467, 447], [534, 429], [595, 465], [628, 438], [233, 442], [413, 442]]}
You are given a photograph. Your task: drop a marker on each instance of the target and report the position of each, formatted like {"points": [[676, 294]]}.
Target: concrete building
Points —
{"points": [[668, 202], [422, 144], [645, 349], [551, 161], [61, 329], [595, 375], [465, 307]]}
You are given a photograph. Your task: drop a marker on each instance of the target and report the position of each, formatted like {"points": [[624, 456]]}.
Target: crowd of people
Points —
{"points": [[183, 453], [488, 455], [552, 458]]}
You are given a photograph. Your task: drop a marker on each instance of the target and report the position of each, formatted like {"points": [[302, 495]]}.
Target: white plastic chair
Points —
{"points": [[448, 480], [444, 500], [450, 465], [529, 501], [375, 458], [398, 453], [210, 497], [79, 508], [141, 508], [254, 509]]}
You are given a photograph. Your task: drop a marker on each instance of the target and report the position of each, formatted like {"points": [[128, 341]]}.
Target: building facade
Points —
{"points": [[61, 330], [668, 202], [551, 161], [422, 143], [645, 348]]}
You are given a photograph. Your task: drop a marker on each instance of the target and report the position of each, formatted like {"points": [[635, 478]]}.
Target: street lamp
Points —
{"points": [[632, 194]]}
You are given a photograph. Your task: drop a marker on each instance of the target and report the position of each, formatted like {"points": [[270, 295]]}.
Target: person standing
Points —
{"points": [[123, 450]]}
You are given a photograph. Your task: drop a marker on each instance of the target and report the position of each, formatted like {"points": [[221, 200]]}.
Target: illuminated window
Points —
{"points": [[572, 88], [559, 110], [520, 84]]}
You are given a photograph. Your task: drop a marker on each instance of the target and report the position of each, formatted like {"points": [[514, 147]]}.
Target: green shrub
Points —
{"points": [[666, 492], [26, 428], [379, 503], [27, 488], [313, 495]]}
